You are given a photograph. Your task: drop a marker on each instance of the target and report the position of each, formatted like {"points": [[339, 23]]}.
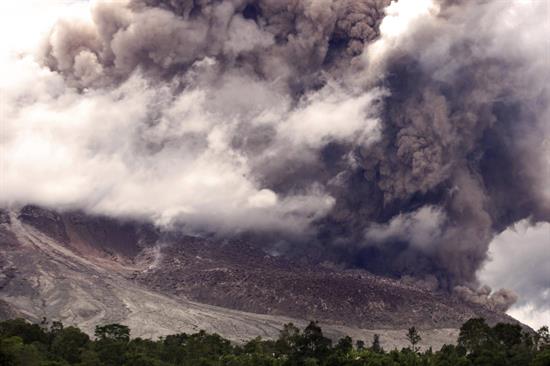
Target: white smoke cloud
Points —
{"points": [[96, 150]]}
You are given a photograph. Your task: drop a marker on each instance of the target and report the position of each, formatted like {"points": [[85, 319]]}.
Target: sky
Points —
{"points": [[519, 258]]}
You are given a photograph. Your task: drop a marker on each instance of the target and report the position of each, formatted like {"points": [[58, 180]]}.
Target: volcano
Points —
{"points": [[88, 270]]}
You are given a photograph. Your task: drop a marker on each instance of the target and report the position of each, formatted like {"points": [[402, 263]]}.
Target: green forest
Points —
{"points": [[52, 344]]}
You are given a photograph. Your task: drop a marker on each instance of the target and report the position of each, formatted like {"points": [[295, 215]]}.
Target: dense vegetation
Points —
{"points": [[23, 343]]}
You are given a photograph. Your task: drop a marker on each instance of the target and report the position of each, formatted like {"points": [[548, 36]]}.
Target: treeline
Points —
{"points": [[26, 344]]}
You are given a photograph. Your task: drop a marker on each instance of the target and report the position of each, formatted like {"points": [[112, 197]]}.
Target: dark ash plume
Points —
{"points": [[288, 41]]}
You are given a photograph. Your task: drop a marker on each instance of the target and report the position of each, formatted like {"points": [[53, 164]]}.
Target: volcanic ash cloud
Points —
{"points": [[399, 137]]}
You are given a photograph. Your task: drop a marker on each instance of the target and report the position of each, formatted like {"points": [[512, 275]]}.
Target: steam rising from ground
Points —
{"points": [[402, 144]]}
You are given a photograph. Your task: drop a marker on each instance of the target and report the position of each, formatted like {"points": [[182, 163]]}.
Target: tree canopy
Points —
{"points": [[26, 344]]}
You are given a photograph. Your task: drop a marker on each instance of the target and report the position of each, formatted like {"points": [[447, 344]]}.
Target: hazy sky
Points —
{"points": [[520, 260]]}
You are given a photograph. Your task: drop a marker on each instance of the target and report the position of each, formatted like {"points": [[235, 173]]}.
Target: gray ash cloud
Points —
{"points": [[315, 123]]}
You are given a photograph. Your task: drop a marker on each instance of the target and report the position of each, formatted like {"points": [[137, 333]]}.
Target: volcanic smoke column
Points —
{"points": [[400, 137]]}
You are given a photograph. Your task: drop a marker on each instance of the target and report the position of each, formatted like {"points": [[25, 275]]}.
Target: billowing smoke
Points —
{"points": [[499, 300], [397, 137]]}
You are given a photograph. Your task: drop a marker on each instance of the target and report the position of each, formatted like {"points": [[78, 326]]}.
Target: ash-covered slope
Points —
{"points": [[89, 270], [239, 276]]}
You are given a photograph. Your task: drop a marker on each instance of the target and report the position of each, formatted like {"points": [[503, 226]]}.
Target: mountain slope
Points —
{"points": [[238, 276], [89, 270]]}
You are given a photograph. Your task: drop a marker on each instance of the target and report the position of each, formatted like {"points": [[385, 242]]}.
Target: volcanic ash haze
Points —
{"points": [[400, 137]]}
